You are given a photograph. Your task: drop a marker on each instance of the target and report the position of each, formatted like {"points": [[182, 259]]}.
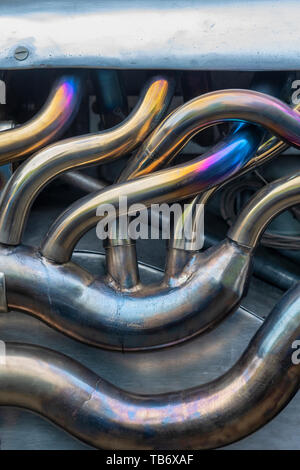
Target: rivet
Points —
{"points": [[21, 53]]}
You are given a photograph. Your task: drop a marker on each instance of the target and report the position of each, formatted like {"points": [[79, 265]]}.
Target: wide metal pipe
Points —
{"points": [[56, 114], [206, 287], [29, 179], [234, 405], [95, 311]]}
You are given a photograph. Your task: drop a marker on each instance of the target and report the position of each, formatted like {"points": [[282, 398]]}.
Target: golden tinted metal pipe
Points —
{"points": [[212, 415], [209, 109], [268, 150], [180, 181], [49, 123], [163, 186], [34, 174]]}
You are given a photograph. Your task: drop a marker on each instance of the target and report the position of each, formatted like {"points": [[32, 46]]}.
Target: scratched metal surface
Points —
{"points": [[186, 365], [143, 34]]}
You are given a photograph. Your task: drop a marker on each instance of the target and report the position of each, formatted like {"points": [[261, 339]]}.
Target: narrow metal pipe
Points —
{"points": [[268, 150], [121, 255], [122, 264], [263, 207], [168, 185], [207, 110], [178, 241], [56, 114], [165, 142], [86, 183], [212, 415], [30, 178]]}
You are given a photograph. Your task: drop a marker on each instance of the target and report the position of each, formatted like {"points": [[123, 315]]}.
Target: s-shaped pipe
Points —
{"points": [[30, 178], [96, 312], [47, 124], [215, 414], [164, 143], [182, 180]]}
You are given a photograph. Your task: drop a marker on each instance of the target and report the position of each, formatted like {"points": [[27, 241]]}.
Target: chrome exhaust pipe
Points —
{"points": [[212, 415], [97, 312], [180, 181], [49, 123], [30, 178], [197, 292], [163, 144]]}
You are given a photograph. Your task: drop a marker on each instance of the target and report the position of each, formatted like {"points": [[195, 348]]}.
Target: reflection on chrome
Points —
{"points": [[118, 312]]}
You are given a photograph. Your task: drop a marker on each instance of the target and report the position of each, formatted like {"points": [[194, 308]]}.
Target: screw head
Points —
{"points": [[21, 53]]}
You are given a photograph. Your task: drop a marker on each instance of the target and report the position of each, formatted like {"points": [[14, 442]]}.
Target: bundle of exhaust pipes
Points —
{"points": [[184, 142]]}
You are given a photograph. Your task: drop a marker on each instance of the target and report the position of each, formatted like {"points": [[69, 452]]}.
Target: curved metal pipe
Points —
{"points": [[175, 183], [263, 207], [84, 182], [215, 414], [82, 151], [170, 136], [95, 311], [50, 122], [190, 300], [207, 110], [118, 264]]}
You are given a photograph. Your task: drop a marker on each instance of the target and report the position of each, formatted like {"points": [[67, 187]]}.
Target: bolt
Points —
{"points": [[21, 53]]}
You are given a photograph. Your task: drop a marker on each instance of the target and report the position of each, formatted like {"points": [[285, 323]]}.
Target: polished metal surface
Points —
{"points": [[182, 180], [29, 179], [49, 123], [117, 310], [216, 413], [205, 111], [96, 311], [3, 300], [167, 185], [263, 208], [84, 182], [197, 361], [145, 34]]}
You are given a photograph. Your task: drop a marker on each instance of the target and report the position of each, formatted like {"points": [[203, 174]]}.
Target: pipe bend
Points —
{"points": [[215, 414], [179, 182], [30, 178], [170, 136], [206, 110], [267, 203], [210, 286], [51, 120], [94, 311]]}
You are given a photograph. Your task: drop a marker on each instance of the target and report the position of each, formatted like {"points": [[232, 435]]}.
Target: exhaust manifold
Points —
{"points": [[198, 289]]}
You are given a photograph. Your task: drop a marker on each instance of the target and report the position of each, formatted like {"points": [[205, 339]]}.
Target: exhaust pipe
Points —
{"points": [[180, 181], [163, 144], [212, 415], [95, 311], [49, 123], [30, 178]]}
